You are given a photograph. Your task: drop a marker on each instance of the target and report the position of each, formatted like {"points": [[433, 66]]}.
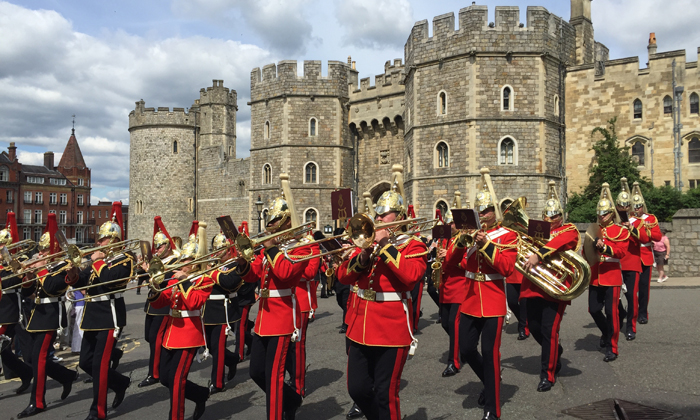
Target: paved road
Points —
{"points": [[660, 369]]}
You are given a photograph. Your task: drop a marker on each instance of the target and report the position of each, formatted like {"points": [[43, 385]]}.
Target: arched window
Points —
{"points": [[267, 174], [507, 98], [312, 127], [4, 173], [694, 103], [310, 215], [442, 206], [638, 152], [668, 105], [507, 151], [442, 103], [443, 153], [556, 105], [266, 131], [637, 109], [694, 150], [310, 171], [175, 146]]}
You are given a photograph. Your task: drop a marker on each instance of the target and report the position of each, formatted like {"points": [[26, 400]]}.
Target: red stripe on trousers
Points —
{"points": [[615, 318], [277, 378], [159, 347], [635, 301], [554, 343], [179, 383], [242, 328], [41, 372], [3, 329], [221, 357], [104, 376], [394, 401], [455, 350], [497, 365]]}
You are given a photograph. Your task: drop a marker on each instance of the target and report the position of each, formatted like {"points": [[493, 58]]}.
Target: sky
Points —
{"points": [[95, 59]]}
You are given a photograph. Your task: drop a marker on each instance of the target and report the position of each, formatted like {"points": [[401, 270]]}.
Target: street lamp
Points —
{"points": [[328, 229], [259, 207]]}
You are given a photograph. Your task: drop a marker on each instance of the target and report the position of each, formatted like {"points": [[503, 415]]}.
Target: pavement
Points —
{"points": [[659, 369]]}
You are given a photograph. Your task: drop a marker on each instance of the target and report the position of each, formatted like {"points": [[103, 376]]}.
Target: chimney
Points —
{"points": [[48, 160], [652, 44], [12, 152]]}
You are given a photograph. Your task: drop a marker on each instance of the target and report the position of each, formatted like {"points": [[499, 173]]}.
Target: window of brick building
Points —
{"points": [[310, 215], [64, 198], [694, 103], [694, 150], [310, 173], [27, 233], [313, 129], [637, 109], [80, 199], [668, 105], [37, 216], [80, 218], [37, 234], [507, 152], [78, 235], [267, 174], [443, 155], [4, 173], [694, 183], [507, 98], [81, 182], [27, 197], [27, 216], [39, 198], [10, 196], [638, 152], [52, 198]]}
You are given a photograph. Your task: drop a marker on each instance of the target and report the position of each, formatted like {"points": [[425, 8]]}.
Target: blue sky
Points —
{"points": [[95, 59]]}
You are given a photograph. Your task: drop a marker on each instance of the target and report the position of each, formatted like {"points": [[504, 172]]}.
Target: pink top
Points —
{"points": [[660, 246]]}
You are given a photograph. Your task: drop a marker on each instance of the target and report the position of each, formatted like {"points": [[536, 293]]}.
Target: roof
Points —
{"points": [[72, 156], [40, 170], [4, 158]]}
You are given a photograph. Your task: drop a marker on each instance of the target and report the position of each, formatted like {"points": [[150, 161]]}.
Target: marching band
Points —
{"points": [[200, 296]]}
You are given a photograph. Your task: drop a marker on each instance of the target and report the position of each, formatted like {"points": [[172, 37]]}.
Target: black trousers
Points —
{"points": [[43, 365], [174, 367], [95, 357], [517, 306], [374, 378], [244, 337], [544, 319], [644, 291], [296, 358], [267, 361], [221, 356], [606, 297], [631, 279], [449, 316], [487, 365], [433, 292], [342, 295], [416, 297], [9, 358], [154, 330]]}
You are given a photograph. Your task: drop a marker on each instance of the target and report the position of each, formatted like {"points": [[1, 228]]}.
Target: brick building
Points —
{"points": [[101, 212], [34, 191]]}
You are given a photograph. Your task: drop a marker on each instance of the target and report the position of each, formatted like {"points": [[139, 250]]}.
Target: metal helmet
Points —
{"points": [[390, 201], [624, 199], [219, 241], [44, 241], [552, 207], [483, 200], [190, 249], [110, 229], [5, 237], [448, 217], [278, 212], [605, 204], [160, 239], [638, 198]]}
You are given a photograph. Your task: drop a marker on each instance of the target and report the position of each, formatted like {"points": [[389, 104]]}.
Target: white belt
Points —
{"points": [[44, 301], [176, 313], [275, 293], [9, 292], [223, 297], [611, 260], [487, 277], [105, 298], [647, 245], [382, 296], [111, 298]]}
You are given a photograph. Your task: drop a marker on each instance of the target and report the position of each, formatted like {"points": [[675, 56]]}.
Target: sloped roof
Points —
{"points": [[72, 156]]}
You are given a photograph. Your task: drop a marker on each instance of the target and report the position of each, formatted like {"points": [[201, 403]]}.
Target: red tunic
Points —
{"points": [[453, 288], [607, 270], [181, 331], [278, 276], [496, 261], [563, 238], [396, 270], [649, 232], [305, 290], [633, 260]]}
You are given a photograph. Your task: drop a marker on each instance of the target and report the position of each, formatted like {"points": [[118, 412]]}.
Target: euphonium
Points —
{"points": [[551, 275]]}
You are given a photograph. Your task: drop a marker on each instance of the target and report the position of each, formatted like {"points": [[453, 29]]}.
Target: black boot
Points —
{"points": [[25, 385], [68, 386], [450, 370], [354, 413], [150, 380], [544, 385], [199, 409], [29, 411]]}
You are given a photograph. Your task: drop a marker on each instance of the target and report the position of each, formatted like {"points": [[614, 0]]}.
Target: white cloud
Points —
{"points": [[35, 158], [374, 23], [281, 24]]}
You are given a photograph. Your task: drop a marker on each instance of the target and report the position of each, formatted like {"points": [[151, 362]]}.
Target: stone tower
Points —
{"points": [[487, 94], [581, 20], [162, 169], [299, 125]]}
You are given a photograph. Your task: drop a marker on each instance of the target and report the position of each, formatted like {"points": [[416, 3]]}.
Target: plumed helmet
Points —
{"points": [[390, 201], [278, 212], [44, 241], [189, 250], [483, 200], [624, 199], [552, 207], [160, 239], [638, 198], [5, 237], [110, 229], [219, 241], [605, 204], [192, 237], [448, 217]]}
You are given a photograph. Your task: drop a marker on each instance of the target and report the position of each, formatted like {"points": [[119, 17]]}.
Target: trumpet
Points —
{"points": [[22, 247], [248, 247]]}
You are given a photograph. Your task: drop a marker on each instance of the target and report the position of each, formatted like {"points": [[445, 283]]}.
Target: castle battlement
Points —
{"points": [[475, 34], [282, 79], [388, 83], [217, 94], [142, 116]]}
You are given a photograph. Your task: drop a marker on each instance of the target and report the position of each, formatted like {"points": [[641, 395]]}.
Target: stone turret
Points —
{"points": [[581, 20]]}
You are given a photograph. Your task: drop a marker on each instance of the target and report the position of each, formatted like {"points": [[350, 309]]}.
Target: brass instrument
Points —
{"points": [[436, 266], [248, 247], [24, 246], [551, 274]]}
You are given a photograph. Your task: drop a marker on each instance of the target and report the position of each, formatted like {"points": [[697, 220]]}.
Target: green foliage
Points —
{"points": [[613, 162]]}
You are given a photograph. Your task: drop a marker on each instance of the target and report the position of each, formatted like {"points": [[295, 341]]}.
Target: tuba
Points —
{"points": [[550, 276]]}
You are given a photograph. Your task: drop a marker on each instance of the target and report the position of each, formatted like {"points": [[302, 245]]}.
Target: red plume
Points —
{"points": [[244, 228], [438, 215], [118, 216], [12, 227], [193, 229], [158, 226], [410, 212], [52, 228]]}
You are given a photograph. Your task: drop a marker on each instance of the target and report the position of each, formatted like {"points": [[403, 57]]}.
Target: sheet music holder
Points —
{"points": [[466, 219], [538, 229], [228, 227], [442, 232], [341, 204]]}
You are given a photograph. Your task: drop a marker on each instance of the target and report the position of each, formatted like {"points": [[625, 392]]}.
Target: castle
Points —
{"points": [[518, 97]]}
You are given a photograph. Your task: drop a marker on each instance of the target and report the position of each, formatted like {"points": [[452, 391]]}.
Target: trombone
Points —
{"points": [[247, 247]]}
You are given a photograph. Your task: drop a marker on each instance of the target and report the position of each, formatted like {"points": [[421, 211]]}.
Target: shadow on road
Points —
{"points": [[322, 410], [319, 378], [473, 389], [588, 343], [225, 409]]}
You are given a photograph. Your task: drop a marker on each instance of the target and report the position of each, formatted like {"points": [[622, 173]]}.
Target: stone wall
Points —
{"points": [[685, 244]]}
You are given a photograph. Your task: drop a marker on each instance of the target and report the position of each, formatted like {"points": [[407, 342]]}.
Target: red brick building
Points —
{"points": [[32, 192], [100, 212]]}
